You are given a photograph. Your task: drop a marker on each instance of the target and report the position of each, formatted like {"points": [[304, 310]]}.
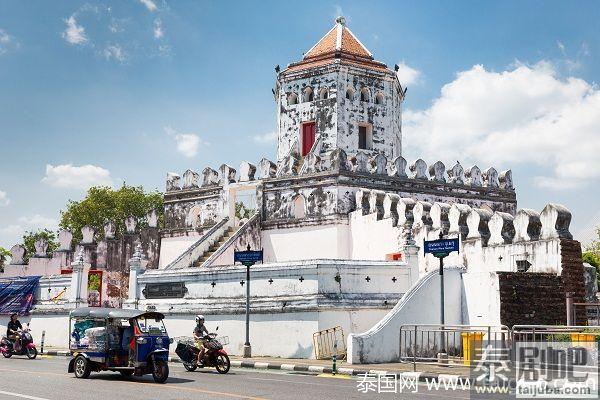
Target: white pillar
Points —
{"points": [[135, 266], [77, 281]]}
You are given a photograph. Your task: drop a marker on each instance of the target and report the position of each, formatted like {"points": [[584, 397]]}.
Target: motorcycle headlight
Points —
{"points": [[159, 341]]}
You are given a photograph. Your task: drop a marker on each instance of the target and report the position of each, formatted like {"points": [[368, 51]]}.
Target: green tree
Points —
{"points": [[4, 254], [102, 204], [592, 255], [29, 239]]}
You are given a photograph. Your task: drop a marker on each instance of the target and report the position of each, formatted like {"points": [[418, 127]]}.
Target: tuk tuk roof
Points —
{"points": [[123, 313]]}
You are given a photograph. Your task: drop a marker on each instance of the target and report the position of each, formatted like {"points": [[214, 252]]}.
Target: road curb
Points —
{"points": [[319, 369]]}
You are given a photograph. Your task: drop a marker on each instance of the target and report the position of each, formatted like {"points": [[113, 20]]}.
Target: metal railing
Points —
{"points": [[553, 333], [329, 342], [464, 344], [447, 344]]}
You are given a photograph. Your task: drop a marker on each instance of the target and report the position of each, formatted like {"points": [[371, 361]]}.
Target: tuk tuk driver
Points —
{"points": [[199, 332]]}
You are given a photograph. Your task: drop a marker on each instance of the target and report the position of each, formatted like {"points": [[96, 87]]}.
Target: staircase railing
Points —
{"points": [[195, 251], [231, 240]]}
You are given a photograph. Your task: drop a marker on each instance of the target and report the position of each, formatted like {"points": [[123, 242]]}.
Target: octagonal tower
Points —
{"points": [[338, 96]]}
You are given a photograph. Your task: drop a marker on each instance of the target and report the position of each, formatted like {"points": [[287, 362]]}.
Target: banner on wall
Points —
{"points": [[16, 294]]}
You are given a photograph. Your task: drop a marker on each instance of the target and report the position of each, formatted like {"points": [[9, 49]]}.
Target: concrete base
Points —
{"points": [[247, 351]]}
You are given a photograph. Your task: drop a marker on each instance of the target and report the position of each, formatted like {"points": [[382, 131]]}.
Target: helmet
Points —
{"points": [[199, 318]]}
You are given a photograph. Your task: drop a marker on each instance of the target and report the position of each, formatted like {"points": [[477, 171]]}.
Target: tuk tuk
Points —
{"points": [[129, 341]]}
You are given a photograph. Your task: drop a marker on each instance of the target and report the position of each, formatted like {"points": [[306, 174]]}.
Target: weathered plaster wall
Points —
{"points": [[337, 117], [385, 118]]}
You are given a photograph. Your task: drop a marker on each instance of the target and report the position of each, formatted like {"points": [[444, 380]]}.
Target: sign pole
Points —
{"points": [[442, 290], [442, 319], [247, 258], [247, 347], [441, 248]]}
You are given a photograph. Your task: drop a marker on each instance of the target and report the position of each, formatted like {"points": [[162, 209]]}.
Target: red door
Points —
{"points": [[308, 137]]}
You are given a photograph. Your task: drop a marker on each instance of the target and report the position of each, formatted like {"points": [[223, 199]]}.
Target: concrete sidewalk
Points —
{"points": [[425, 371]]}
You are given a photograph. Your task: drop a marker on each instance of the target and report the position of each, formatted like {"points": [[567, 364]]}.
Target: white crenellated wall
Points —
{"points": [[489, 242]]}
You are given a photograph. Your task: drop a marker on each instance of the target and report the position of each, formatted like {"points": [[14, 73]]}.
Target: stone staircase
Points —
{"points": [[215, 246]]}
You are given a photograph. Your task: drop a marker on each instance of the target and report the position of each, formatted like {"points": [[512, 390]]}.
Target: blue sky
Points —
{"points": [[130, 90]]}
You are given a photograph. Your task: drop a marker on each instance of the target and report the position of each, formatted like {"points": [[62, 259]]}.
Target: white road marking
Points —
{"points": [[23, 396]]}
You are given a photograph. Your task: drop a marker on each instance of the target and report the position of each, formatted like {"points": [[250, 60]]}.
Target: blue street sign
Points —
{"points": [[248, 257], [441, 247]]}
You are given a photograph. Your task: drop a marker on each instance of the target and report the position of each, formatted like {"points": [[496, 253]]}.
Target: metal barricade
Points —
{"points": [[329, 342], [452, 344]]}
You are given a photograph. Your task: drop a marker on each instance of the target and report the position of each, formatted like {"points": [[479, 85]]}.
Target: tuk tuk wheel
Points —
{"points": [[82, 367], [160, 371]]}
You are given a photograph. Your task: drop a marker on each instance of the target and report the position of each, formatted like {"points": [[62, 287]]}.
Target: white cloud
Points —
{"points": [[561, 47], [187, 143], [13, 234], [39, 221], [114, 51], [407, 75], [83, 177], [4, 200], [526, 114], [158, 29], [150, 5], [4, 41], [265, 138], [74, 33]]}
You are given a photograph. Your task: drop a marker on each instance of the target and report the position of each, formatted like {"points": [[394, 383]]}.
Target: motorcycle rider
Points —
{"points": [[12, 331], [199, 332]]}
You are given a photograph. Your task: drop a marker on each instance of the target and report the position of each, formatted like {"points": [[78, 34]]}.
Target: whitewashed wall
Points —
{"points": [[303, 243], [421, 305], [173, 247]]}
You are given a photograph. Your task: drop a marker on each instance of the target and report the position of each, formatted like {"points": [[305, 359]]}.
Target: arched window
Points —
{"points": [[379, 98], [298, 207], [323, 94], [308, 94], [292, 99], [350, 94], [364, 94]]}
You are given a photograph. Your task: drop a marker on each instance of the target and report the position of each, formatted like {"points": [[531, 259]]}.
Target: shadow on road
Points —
{"points": [[134, 379]]}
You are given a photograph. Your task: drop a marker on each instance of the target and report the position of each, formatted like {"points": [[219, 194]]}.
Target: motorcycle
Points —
{"points": [[26, 345], [214, 355]]}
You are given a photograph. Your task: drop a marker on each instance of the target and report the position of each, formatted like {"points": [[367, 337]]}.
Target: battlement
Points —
{"points": [[374, 165]]}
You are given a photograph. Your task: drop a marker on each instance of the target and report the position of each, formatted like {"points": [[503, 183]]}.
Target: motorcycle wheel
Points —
{"points": [[222, 363], [82, 367], [190, 367], [7, 354], [31, 353], [160, 371]]}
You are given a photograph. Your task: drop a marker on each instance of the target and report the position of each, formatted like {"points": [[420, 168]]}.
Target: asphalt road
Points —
{"points": [[47, 379]]}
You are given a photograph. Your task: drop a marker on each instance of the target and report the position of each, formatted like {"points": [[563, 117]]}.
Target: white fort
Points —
{"points": [[341, 216]]}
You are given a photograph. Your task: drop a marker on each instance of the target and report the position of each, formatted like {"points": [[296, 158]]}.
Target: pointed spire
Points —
{"points": [[338, 45], [339, 39]]}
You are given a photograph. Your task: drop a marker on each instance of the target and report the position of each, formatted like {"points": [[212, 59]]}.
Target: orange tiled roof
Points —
{"points": [[337, 44]]}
